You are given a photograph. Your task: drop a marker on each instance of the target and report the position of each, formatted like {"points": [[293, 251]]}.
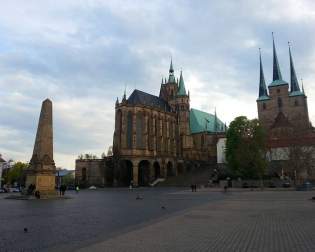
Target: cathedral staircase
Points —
{"points": [[200, 176]]}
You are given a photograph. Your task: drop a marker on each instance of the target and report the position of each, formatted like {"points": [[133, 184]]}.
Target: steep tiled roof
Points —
{"points": [[141, 98]]}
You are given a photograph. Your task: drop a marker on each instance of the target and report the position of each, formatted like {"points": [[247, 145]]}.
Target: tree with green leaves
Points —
{"points": [[16, 173], [246, 149]]}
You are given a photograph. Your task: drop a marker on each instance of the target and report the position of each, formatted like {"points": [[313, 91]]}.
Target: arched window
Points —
{"points": [[279, 102], [139, 130], [296, 103], [118, 127], [165, 134], [264, 106], [129, 130], [149, 133], [156, 133]]}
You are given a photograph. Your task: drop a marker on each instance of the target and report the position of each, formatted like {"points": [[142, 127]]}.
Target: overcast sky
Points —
{"points": [[82, 53]]}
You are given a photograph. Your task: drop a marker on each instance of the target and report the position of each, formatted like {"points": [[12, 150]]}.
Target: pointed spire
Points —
{"points": [[294, 85], [276, 69], [124, 96], [171, 67], [262, 83], [302, 86], [181, 85], [162, 82], [215, 120], [117, 101], [277, 77], [171, 78]]}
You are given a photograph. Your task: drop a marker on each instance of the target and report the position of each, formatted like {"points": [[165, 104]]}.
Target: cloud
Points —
{"points": [[82, 54]]}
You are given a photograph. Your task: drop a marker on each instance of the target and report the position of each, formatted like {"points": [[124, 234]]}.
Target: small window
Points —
{"points": [[279, 102], [278, 91], [264, 106], [296, 103]]}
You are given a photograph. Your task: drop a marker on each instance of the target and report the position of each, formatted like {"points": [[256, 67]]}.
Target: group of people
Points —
{"points": [[193, 188]]}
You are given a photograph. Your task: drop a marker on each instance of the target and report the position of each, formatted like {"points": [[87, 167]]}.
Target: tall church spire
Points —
{"points": [[262, 84], [215, 124], [181, 86], [294, 85], [276, 69], [171, 67], [277, 77], [171, 78]]}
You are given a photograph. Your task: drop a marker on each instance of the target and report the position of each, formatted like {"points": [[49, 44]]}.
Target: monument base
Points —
{"points": [[44, 183]]}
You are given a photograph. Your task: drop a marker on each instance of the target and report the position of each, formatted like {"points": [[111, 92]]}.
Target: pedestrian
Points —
{"points": [[77, 189], [63, 190], [60, 190], [192, 187], [37, 195], [225, 188]]}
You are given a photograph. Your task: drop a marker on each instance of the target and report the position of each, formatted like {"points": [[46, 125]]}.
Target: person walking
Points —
{"points": [[77, 189]]}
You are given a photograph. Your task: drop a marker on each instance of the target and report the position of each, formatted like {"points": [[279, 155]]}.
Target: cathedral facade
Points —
{"points": [[155, 137], [162, 136]]}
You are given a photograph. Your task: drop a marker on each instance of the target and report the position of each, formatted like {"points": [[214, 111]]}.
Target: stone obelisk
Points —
{"points": [[42, 169]]}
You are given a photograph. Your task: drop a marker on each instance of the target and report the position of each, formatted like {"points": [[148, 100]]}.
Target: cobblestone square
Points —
{"points": [[209, 220]]}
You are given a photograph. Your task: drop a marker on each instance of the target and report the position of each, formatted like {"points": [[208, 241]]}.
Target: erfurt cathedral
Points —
{"points": [[156, 137]]}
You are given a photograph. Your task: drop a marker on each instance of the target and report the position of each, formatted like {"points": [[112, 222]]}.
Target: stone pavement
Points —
{"points": [[245, 221]]}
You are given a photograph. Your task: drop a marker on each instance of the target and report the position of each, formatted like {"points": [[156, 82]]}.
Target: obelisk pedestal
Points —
{"points": [[42, 169]]}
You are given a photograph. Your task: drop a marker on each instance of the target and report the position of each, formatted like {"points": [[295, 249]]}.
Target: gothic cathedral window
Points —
{"points": [[296, 103], [129, 130], [118, 127], [264, 106], [139, 130]]}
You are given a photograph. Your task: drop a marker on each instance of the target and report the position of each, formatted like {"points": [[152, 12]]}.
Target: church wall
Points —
{"points": [[293, 107], [90, 172]]}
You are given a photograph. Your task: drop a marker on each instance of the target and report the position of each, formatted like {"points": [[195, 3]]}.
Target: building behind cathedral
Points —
{"points": [[156, 137]]}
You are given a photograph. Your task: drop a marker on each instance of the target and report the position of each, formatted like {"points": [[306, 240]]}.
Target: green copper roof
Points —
{"points": [[263, 98], [181, 86], [296, 93], [278, 83], [171, 79], [201, 121]]}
